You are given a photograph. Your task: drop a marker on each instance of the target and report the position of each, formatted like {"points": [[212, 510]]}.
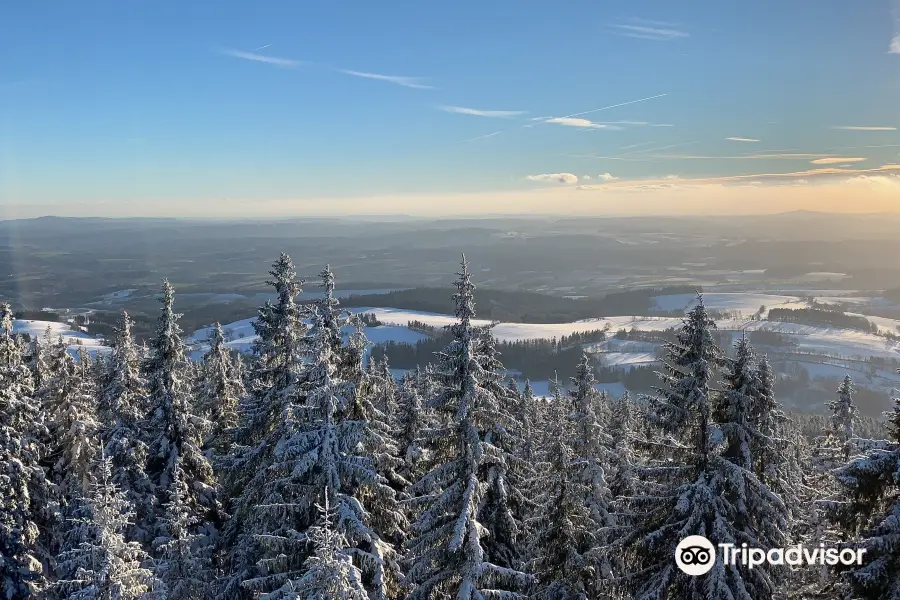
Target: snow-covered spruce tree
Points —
{"points": [[270, 413], [504, 505], [97, 561], [173, 432], [122, 411], [411, 425], [379, 436], [184, 560], [557, 410], [40, 356], [384, 391], [844, 415], [623, 460], [529, 419], [565, 543], [333, 318], [835, 445], [782, 453], [220, 391], [320, 457], [59, 386], [738, 410], [691, 486], [24, 489], [329, 573], [447, 554], [74, 429], [590, 443], [869, 510]]}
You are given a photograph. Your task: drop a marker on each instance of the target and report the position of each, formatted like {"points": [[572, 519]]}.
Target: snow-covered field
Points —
{"points": [[74, 339], [524, 331], [240, 336], [745, 302], [541, 389], [627, 360], [839, 342]]}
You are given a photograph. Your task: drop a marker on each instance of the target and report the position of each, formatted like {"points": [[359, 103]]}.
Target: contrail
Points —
{"points": [[480, 137], [573, 115], [261, 48], [587, 112]]}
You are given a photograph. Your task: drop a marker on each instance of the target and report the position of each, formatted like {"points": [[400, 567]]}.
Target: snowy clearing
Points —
{"points": [[74, 339], [748, 303]]}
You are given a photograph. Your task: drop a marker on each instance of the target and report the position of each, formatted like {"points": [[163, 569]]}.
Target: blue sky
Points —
{"points": [[128, 102]]}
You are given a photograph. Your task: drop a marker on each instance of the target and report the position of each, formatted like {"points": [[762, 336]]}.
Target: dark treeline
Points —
{"points": [[821, 318], [38, 315], [535, 359], [525, 307]]}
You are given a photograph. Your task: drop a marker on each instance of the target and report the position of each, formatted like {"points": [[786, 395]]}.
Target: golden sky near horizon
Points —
{"points": [[826, 190]]}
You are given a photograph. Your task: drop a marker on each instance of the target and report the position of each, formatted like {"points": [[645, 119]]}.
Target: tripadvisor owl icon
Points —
{"points": [[695, 555]]}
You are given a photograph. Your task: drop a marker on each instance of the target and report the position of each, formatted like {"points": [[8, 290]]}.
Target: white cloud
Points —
{"points": [[607, 177], [741, 139], [461, 110], [835, 160], [875, 181], [864, 128], [882, 176], [583, 123], [410, 82], [272, 60], [566, 178], [895, 45], [586, 177], [658, 33]]}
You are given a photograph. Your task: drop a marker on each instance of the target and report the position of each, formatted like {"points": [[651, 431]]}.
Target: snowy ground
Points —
{"points": [[240, 336], [747, 303], [838, 342], [541, 389], [74, 339], [627, 360]]}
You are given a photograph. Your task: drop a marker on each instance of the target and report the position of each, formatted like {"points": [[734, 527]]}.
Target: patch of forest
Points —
{"points": [[822, 318]]}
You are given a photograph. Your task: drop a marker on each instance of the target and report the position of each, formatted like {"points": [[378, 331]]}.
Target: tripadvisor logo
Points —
{"points": [[696, 555]]}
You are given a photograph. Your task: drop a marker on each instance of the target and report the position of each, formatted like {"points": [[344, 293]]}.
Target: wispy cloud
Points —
{"points": [[564, 178], [741, 139], [272, 60], [835, 160], [760, 156], [650, 30], [607, 177], [621, 158], [410, 82], [864, 128], [895, 41], [864, 147], [583, 123], [479, 137], [824, 173], [637, 123], [630, 146], [262, 47], [503, 114]]}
